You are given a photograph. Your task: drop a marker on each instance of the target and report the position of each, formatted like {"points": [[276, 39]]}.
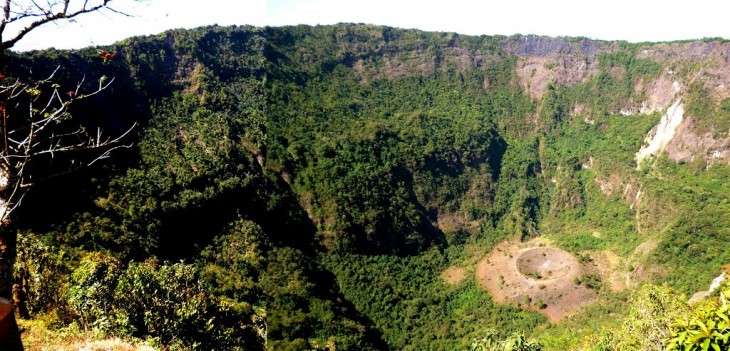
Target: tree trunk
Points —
{"points": [[7, 259], [9, 333]]}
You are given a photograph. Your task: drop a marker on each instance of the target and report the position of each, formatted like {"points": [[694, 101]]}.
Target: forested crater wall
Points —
{"points": [[321, 178]]}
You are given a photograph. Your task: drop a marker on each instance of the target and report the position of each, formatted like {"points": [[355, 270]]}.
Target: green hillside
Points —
{"points": [[337, 188]]}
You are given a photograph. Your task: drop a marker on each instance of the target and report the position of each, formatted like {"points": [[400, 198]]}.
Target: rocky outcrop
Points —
{"points": [[534, 46], [688, 145], [553, 60], [716, 283], [663, 133]]}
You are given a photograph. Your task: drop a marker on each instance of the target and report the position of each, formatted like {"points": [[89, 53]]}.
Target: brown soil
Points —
{"points": [[610, 185], [546, 263], [535, 277], [641, 271], [38, 336], [454, 275], [610, 268], [450, 222]]}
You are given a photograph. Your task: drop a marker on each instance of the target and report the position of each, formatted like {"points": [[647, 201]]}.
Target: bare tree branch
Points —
{"points": [[46, 14], [25, 138], [46, 129], [118, 12]]}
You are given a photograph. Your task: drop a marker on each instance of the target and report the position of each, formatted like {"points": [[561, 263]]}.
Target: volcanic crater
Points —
{"points": [[545, 279]]}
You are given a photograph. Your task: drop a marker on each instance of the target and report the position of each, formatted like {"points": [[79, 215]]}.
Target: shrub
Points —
{"points": [[90, 295], [515, 342], [647, 325], [708, 329], [169, 303], [39, 275], [165, 301]]}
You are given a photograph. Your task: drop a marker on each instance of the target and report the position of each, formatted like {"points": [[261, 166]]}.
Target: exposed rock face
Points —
{"points": [[610, 185], [710, 63], [703, 63], [553, 60], [537, 72], [688, 145], [538, 46], [660, 94], [562, 62], [714, 286], [663, 133]]}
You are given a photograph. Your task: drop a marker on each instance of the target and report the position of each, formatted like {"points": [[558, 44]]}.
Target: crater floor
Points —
{"points": [[528, 275]]}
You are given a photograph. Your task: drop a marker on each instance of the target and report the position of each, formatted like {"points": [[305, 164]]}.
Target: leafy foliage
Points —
{"points": [[647, 325], [91, 293], [41, 271], [165, 302], [514, 342], [708, 329], [407, 300]]}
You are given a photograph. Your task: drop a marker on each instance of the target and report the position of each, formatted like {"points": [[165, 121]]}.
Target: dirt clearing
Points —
{"points": [[545, 279], [454, 275]]}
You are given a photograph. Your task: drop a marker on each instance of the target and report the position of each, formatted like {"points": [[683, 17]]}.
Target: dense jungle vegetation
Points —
{"points": [[304, 188]]}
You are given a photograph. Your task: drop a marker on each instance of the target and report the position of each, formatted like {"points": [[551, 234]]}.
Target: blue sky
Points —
{"points": [[631, 20]]}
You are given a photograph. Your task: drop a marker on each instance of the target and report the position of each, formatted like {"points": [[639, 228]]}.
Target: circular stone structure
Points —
{"points": [[545, 263], [534, 276]]}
